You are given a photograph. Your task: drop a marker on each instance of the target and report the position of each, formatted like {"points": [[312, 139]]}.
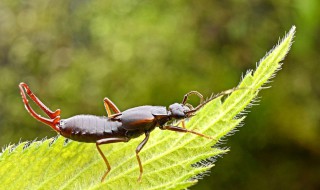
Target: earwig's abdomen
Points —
{"points": [[90, 128]]}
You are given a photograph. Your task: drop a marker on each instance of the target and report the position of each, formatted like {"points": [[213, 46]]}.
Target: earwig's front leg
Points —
{"points": [[182, 123], [107, 103], [108, 141], [183, 130], [140, 146]]}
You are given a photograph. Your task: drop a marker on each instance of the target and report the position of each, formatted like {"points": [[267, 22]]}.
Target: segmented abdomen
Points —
{"points": [[90, 128]]}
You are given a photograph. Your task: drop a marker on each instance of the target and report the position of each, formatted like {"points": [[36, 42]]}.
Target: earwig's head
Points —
{"points": [[179, 111], [185, 110]]}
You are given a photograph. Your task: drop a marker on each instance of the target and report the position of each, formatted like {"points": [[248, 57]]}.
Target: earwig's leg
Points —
{"points": [[107, 103], [183, 124], [138, 149], [185, 98], [108, 141], [183, 130], [55, 116]]}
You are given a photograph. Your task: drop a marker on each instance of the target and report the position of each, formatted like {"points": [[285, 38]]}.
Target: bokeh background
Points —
{"points": [[73, 53]]}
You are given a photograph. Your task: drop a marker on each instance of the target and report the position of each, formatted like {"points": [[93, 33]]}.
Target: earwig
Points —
{"points": [[119, 126]]}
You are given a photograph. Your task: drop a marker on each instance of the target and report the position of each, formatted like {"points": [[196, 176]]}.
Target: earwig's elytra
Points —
{"points": [[118, 126]]}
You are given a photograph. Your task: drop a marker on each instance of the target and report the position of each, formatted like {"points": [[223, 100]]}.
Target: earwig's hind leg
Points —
{"points": [[55, 116], [108, 141], [138, 149], [108, 103], [183, 130]]}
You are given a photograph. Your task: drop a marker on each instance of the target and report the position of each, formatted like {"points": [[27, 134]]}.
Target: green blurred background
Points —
{"points": [[73, 53]]}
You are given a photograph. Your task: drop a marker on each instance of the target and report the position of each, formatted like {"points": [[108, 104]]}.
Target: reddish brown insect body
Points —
{"points": [[119, 126]]}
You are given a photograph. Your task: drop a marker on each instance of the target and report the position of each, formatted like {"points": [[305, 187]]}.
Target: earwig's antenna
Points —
{"points": [[223, 93], [185, 98]]}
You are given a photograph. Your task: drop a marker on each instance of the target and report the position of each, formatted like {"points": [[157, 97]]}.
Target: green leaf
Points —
{"points": [[170, 160]]}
